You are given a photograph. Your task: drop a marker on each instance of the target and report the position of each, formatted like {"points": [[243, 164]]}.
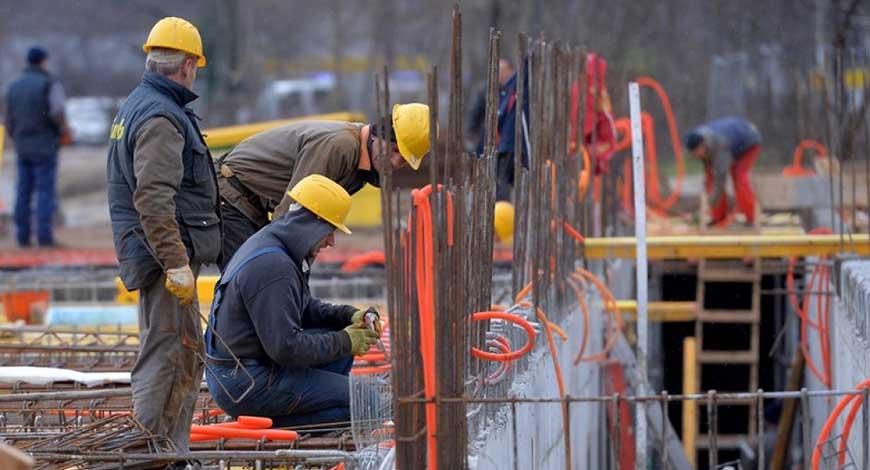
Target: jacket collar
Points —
{"points": [[35, 69], [176, 91]]}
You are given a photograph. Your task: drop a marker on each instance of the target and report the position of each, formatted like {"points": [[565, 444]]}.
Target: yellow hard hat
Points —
{"points": [[504, 221], [324, 197], [411, 125], [176, 33]]}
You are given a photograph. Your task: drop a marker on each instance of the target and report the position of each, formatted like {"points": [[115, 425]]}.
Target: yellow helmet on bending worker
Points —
{"points": [[411, 126], [178, 34]]}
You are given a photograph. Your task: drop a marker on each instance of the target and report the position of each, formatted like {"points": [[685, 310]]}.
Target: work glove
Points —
{"points": [[181, 283], [359, 320], [361, 339]]}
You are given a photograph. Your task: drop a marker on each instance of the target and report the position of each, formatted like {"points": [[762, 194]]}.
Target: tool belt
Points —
{"points": [[227, 173]]}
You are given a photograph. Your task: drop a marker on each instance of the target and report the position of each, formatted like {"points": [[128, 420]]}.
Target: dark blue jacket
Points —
{"points": [[27, 115], [266, 308], [736, 133], [507, 118], [196, 202]]}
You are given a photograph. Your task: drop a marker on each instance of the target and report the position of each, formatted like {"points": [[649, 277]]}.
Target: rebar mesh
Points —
{"points": [[371, 411]]}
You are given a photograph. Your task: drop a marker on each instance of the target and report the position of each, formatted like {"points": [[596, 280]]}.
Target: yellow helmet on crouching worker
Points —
{"points": [[178, 34], [411, 126], [503, 225], [324, 197]]}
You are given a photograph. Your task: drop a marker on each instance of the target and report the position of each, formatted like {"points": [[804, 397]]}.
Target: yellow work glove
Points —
{"points": [[359, 320], [361, 339], [181, 283]]}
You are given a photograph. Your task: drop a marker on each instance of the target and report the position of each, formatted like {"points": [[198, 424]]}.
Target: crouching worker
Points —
{"points": [[298, 349]]}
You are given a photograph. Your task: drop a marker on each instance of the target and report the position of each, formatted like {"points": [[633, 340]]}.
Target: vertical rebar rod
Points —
{"points": [[759, 409], [805, 428], [514, 434], [617, 442], [865, 434], [665, 427], [712, 429]]}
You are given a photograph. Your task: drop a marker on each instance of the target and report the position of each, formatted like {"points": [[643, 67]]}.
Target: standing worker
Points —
{"points": [[254, 176], [36, 121], [298, 349], [504, 139], [163, 203], [729, 144]]}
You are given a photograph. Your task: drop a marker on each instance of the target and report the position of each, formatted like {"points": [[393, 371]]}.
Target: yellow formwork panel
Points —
{"points": [[225, 137], [365, 208], [204, 291], [728, 246], [659, 311]]}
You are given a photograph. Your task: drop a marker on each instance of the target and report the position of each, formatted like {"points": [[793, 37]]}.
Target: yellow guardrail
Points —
{"points": [[225, 137], [673, 247], [728, 246]]}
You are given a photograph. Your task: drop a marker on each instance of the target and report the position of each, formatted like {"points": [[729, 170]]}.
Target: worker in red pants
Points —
{"points": [[726, 145]]}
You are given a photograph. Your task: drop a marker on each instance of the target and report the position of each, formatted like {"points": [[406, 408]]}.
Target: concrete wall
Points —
{"points": [[539, 437], [850, 349]]}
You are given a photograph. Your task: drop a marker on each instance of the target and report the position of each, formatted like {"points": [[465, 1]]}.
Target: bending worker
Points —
{"points": [[298, 349], [726, 145], [163, 203], [254, 177]]}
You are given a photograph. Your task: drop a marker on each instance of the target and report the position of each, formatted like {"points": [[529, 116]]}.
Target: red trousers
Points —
{"points": [[742, 187]]}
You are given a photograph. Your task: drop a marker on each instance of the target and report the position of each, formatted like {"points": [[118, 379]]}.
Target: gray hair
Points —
{"points": [[295, 207], [166, 61]]}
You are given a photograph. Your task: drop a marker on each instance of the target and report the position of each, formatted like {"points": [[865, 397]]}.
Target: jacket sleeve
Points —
{"points": [[276, 310], [158, 166], [331, 159], [326, 315]]}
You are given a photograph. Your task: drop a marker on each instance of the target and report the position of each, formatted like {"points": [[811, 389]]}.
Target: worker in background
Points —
{"points": [[477, 117], [726, 145], [298, 349], [507, 99], [36, 121], [254, 176], [163, 203]]}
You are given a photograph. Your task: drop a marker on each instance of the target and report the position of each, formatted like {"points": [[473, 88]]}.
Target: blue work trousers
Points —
{"points": [[289, 396], [36, 174]]}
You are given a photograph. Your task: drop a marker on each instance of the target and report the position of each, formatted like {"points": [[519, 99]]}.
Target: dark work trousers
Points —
{"points": [[290, 396], [36, 174], [504, 176], [168, 372], [237, 229]]}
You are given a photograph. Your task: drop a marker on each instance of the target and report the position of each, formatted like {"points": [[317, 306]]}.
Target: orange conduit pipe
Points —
{"points": [[362, 260], [623, 126], [508, 317], [674, 133], [425, 274], [796, 168], [832, 420], [821, 274], [246, 427]]}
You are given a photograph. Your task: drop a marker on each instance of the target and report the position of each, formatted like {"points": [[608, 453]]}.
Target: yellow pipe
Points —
{"points": [[224, 137], [690, 407], [727, 246], [660, 311]]}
